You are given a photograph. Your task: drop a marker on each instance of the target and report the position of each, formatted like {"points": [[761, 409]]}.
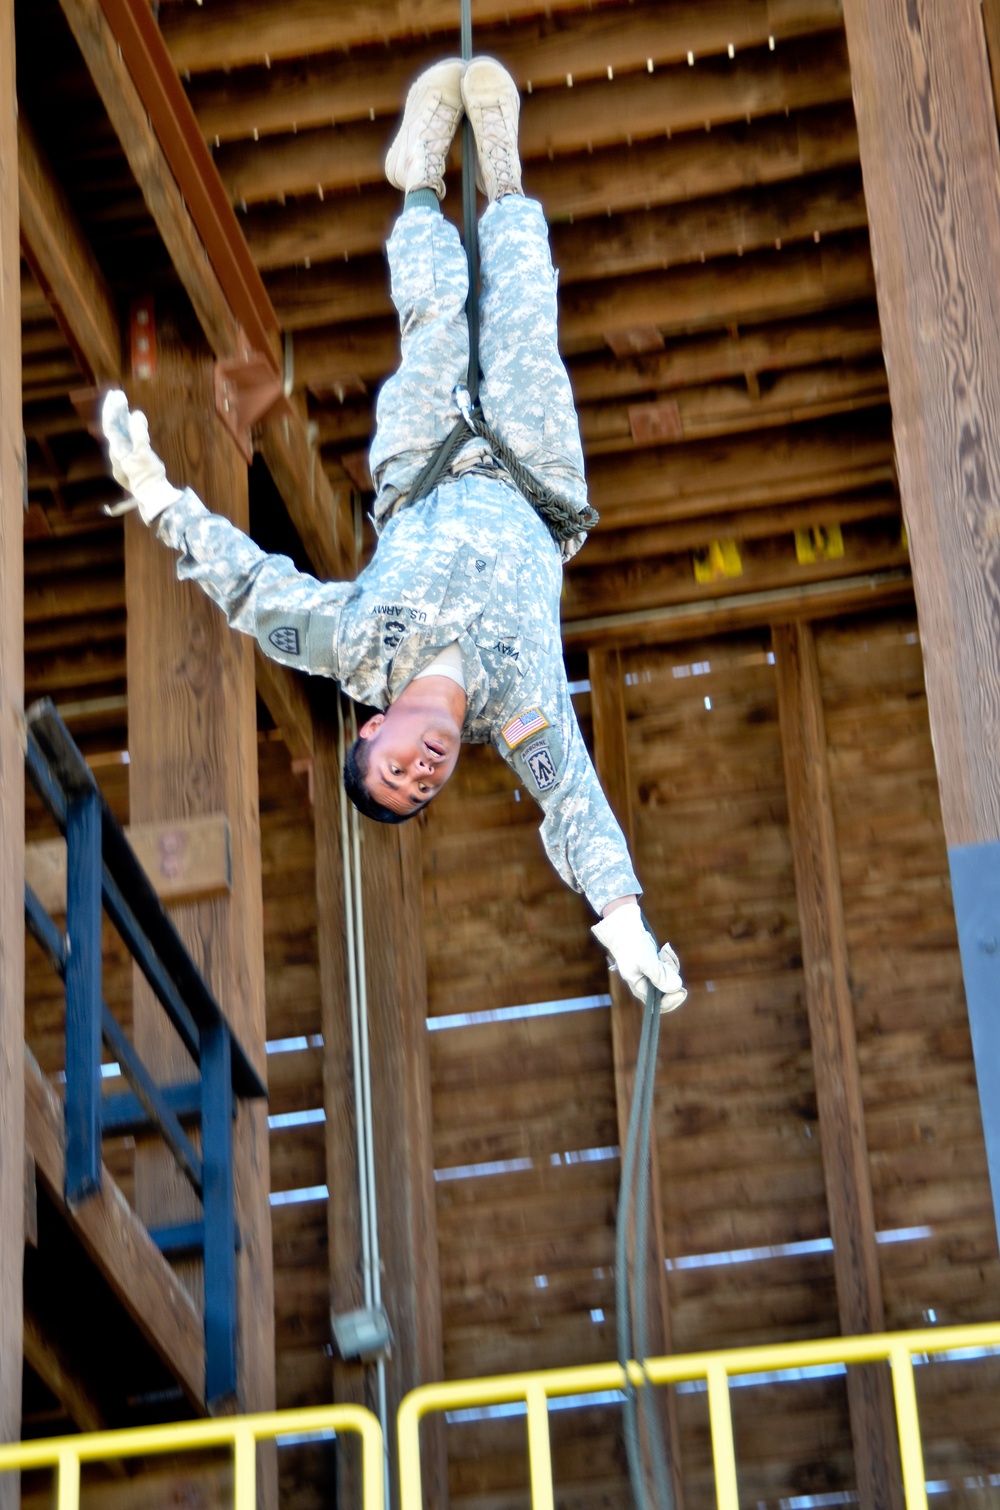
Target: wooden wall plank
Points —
{"points": [[12, 765], [395, 973], [228, 40], [611, 760], [285, 696], [923, 1121], [831, 1025], [65, 263], [184, 860], [930, 172], [193, 749]]}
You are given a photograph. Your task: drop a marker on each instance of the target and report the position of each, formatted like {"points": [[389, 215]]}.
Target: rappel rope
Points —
{"points": [[631, 1312], [562, 518], [564, 521]]}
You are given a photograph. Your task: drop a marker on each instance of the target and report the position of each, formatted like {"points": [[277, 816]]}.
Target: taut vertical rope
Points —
{"points": [[560, 516]]}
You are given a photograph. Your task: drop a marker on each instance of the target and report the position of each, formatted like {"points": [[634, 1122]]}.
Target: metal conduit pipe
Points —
{"points": [[371, 1263]]}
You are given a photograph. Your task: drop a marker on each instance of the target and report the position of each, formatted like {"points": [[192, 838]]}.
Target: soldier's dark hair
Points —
{"points": [[355, 785]]}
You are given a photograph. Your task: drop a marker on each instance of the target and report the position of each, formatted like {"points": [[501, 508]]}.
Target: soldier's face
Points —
{"points": [[412, 750]]}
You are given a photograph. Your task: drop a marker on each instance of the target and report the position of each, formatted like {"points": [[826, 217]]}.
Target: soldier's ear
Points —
{"points": [[369, 729]]}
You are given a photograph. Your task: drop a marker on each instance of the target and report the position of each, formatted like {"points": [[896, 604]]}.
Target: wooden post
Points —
{"points": [[835, 1055], [193, 750], [396, 975], [931, 162], [607, 703], [11, 772]]}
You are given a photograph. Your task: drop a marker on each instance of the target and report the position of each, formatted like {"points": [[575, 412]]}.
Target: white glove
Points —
{"points": [[134, 463], [633, 952]]}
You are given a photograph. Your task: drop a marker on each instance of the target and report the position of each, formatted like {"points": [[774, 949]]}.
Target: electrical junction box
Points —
{"points": [[362, 1336]]}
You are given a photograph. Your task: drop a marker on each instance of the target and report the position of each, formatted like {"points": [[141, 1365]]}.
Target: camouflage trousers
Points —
{"points": [[525, 391]]}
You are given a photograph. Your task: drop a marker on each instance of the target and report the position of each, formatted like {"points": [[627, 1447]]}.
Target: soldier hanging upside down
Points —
{"points": [[452, 630]]}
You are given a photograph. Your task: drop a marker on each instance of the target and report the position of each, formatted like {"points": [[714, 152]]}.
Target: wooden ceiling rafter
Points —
{"points": [[602, 113], [764, 286], [607, 181], [65, 267], [730, 612], [317, 513], [231, 36]]}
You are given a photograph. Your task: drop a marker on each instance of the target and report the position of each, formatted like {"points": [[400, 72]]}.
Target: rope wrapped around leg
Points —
{"points": [[567, 525]]}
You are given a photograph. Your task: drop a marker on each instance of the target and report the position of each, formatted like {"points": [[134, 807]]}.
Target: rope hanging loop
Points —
{"points": [[564, 521]]}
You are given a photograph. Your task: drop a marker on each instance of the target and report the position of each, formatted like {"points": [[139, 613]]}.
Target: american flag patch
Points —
{"points": [[524, 724]]}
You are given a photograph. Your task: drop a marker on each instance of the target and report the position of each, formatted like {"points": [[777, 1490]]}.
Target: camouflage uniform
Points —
{"points": [[472, 563]]}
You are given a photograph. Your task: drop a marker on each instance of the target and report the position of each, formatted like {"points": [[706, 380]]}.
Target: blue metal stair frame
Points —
{"points": [[104, 874]]}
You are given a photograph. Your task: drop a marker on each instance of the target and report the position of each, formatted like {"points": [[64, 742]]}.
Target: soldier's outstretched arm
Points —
{"points": [[260, 594]]}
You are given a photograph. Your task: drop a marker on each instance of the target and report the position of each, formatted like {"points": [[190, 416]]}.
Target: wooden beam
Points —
{"points": [[185, 860], [615, 547], [694, 232], [765, 565], [313, 510], [728, 612], [43, 1354], [612, 180], [841, 336], [611, 758], [931, 176], [193, 750], [826, 969], [991, 25], [849, 336], [64, 262], [730, 409], [284, 694], [633, 106], [762, 286], [223, 39], [160, 191], [748, 220], [322, 513], [118, 1245], [350, 1383], [182, 1482], [12, 764], [656, 483], [396, 974], [30, 1202]]}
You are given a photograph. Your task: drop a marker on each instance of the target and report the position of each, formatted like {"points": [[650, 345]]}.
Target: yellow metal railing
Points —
{"points": [[535, 1390], [240, 1433]]}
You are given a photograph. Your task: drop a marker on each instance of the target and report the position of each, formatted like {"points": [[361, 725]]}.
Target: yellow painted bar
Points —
{"points": [[716, 1369], [910, 1449], [539, 1448], [244, 1469], [723, 1447], [239, 1433], [68, 1479]]}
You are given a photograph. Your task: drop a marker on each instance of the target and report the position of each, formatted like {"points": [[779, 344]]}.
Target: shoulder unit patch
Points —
{"points": [[540, 762], [286, 639], [525, 724]]}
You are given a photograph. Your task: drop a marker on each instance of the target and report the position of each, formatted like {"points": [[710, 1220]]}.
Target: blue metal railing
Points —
{"points": [[103, 873]]}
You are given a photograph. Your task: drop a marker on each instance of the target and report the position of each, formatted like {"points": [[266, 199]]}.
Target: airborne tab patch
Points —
{"points": [[519, 728], [539, 760], [286, 639]]}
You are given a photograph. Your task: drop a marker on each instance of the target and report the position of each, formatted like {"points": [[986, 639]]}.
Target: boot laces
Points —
{"points": [[496, 141], [435, 137]]}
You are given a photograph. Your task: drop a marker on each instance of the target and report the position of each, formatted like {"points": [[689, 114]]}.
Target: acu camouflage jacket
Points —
{"points": [[470, 563]]}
